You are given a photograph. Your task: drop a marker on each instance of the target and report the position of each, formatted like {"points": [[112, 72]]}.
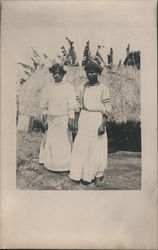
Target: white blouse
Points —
{"points": [[93, 98], [58, 99]]}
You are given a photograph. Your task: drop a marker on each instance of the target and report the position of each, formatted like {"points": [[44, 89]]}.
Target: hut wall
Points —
{"points": [[124, 136]]}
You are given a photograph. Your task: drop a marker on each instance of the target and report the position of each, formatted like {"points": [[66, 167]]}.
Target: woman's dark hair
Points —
{"points": [[91, 64], [57, 68]]}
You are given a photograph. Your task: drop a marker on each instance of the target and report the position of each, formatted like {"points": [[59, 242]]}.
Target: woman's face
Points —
{"points": [[92, 76], [58, 77]]}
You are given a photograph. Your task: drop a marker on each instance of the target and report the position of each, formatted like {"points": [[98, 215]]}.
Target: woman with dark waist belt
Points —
{"points": [[89, 155]]}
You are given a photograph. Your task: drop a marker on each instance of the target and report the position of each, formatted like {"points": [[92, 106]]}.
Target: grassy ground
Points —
{"points": [[123, 172]]}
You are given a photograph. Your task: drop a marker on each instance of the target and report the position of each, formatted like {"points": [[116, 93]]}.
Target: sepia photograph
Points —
{"points": [[79, 124], [78, 102]]}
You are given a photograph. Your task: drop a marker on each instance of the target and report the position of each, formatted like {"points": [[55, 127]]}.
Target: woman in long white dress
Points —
{"points": [[59, 103], [89, 155]]}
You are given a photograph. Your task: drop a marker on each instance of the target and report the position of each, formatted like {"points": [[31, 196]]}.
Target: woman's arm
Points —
{"points": [[75, 130], [106, 109], [104, 120], [101, 129], [45, 121], [77, 108], [71, 107], [77, 114]]}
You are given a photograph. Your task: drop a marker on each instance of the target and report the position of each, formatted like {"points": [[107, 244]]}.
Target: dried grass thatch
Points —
{"points": [[124, 86], [123, 83], [30, 93]]}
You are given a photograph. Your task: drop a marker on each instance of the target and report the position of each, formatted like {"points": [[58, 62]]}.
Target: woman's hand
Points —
{"points": [[75, 129], [75, 123], [45, 125], [71, 124], [45, 122], [101, 129]]}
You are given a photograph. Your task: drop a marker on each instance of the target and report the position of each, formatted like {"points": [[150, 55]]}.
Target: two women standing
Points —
{"points": [[87, 117]]}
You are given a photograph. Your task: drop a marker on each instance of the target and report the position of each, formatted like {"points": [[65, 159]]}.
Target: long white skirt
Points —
{"points": [[89, 155], [55, 151]]}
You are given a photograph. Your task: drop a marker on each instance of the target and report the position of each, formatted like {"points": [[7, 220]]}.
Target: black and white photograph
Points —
{"points": [[78, 102], [78, 127]]}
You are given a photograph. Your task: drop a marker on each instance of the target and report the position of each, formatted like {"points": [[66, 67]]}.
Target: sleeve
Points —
{"points": [[79, 99], [43, 104], [105, 100], [71, 102]]}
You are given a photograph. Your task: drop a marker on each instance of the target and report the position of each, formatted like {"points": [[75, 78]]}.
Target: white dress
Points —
{"points": [[56, 147], [89, 155]]}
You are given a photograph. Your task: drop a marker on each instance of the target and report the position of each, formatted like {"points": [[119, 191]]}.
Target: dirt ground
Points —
{"points": [[123, 171]]}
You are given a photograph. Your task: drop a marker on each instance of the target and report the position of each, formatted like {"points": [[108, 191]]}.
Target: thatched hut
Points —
{"points": [[123, 127], [124, 86]]}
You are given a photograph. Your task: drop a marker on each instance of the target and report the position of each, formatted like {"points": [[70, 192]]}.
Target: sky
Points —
{"points": [[45, 24]]}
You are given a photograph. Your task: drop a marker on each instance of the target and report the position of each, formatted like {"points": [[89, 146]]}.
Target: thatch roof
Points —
{"points": [[123, 83], [30, 93], [124, 86]]}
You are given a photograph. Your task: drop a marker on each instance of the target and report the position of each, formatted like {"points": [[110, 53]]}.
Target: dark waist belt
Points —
{"points": [[91, 110]]}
